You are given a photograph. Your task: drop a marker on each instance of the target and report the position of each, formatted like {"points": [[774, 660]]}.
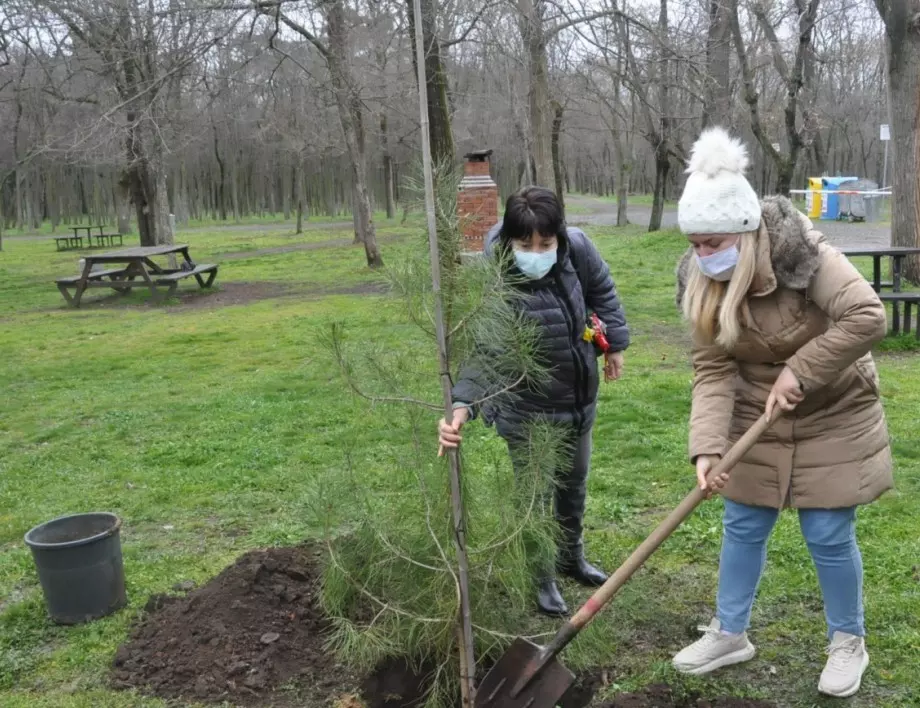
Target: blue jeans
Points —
{"points": [[831, 538]]}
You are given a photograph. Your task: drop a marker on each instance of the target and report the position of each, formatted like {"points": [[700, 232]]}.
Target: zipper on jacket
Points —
{"points": [[581, 369]]}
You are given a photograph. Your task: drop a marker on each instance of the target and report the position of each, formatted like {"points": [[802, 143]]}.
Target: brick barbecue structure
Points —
{"points": [[477, 202]]}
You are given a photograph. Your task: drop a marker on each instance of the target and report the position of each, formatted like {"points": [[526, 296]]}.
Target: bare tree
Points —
{"points": [[902, 31], [336, 53], [139, 51], [657, 112], [795, 78]]}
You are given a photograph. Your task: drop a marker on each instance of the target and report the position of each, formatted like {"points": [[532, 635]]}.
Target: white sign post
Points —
{"points": [[885, 137]]}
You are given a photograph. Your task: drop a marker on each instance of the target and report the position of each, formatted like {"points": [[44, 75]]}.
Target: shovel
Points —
{"points": [[530, 676]]}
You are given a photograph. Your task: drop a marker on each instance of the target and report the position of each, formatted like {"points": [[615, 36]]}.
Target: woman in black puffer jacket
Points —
{"points": [[565, 279]]}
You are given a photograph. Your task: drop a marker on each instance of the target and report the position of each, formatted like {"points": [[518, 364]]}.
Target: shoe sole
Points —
{"points": [[736, 657], [853, 689]]}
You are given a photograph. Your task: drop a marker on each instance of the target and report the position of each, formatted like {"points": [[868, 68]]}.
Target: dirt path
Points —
{"points": [[597, 212]]}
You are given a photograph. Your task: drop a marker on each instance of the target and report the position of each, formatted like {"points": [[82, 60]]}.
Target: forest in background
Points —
{"points": [[125, 111]]}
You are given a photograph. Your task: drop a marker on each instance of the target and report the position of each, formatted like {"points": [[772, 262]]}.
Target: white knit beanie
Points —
{"points": [[717, 198]]}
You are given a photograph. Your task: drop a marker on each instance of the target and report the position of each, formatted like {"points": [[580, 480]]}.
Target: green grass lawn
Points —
{"points": [[209, 429]]}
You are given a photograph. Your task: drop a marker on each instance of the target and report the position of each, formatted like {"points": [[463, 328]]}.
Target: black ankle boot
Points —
{"points": [[582, 572], [549, 599]]}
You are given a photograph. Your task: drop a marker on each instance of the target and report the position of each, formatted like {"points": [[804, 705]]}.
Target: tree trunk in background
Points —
{"points": [[902, 29], [662, 168], [665, 126], [298, 194], [235, 189], [139, 183], [533, 32], [388, 177], [350, 110], [439, 127], [558, 114], [163, 226], [123, 197], [785, 171], [221, 178], [624, 167], [718, 99]]}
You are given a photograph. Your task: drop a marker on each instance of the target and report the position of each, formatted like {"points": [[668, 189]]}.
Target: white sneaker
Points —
{"points": [[846, 664], [713, 650]]}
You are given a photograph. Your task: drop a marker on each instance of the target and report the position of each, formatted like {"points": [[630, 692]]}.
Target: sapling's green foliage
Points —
{"points": [[390, 579]]}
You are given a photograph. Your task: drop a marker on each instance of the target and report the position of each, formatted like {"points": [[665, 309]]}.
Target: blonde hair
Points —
{"points": [[714, 308]]}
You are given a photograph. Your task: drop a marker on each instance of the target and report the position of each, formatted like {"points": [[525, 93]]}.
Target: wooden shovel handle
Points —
{"points": [[605, 592]]}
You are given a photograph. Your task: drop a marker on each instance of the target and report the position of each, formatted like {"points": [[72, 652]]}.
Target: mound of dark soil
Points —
{"points": [[253, 628], [661, 696], [255, 634]]}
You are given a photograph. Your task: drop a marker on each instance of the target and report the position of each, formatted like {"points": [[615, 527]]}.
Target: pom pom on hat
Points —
{"points": [[715, 151], [717, 198]]}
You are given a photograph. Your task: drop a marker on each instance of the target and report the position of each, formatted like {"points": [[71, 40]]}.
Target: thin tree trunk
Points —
{"points": [[235, 188], [558, 114], [662, 167], [623, 169], [388, 177], [287, 192], [298, 194], [662, 148]]}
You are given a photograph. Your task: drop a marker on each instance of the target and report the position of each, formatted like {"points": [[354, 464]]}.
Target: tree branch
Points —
{"points": [[273, 9], [462, 38]]}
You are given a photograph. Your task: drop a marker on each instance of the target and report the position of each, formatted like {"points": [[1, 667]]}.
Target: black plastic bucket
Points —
{"points": [[79, 565]]}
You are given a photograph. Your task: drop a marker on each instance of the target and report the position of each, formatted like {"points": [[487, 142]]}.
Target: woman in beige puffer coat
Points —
{"points": [[779, 317]]}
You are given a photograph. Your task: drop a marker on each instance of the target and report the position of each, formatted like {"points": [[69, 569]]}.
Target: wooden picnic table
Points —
{"points": [[137, 263], [896, 297], [76, 241], [897, 255]]}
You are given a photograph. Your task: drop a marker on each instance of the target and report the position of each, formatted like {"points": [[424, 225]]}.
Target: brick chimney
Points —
{"points": [[477, 202]]}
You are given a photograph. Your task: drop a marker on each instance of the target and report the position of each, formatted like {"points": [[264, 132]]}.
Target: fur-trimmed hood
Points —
{"points": [[794, 248]]}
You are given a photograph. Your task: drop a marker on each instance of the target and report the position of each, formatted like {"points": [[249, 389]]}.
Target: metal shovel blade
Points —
{"points": [[499, 688]]}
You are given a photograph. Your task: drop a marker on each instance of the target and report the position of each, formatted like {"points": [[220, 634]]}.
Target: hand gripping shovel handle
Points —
{"points": [[605, 593]]}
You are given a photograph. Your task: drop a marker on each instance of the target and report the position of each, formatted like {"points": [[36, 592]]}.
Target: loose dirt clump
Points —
{"points": [[662, 696], [254, 628]]}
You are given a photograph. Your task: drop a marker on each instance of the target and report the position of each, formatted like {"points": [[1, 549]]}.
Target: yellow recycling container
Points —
{"points": [[813, 198]]}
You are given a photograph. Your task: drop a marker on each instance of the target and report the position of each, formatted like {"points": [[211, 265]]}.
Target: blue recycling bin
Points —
{"points": [[830, 204]]}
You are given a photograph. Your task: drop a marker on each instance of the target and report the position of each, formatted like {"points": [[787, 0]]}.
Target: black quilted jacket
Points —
{"points": [[561, 304]]}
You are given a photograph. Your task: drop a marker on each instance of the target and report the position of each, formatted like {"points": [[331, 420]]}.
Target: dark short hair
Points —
{"points": [[532, 209]]}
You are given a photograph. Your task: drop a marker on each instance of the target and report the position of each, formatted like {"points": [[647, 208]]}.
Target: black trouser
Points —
{"points": [[571, 477]]}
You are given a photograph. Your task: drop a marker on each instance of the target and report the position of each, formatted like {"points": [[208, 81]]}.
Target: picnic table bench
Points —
{"points": [[896, 297], [76, 241], [138, 263]]}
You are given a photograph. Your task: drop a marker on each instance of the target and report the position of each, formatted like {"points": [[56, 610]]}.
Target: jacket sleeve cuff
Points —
{"points": [[807, 383], [713, 447], [468, 406]]}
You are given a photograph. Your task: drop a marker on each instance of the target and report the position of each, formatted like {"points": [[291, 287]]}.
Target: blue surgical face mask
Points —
{"points": [[719, 265], [535, 265]]}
